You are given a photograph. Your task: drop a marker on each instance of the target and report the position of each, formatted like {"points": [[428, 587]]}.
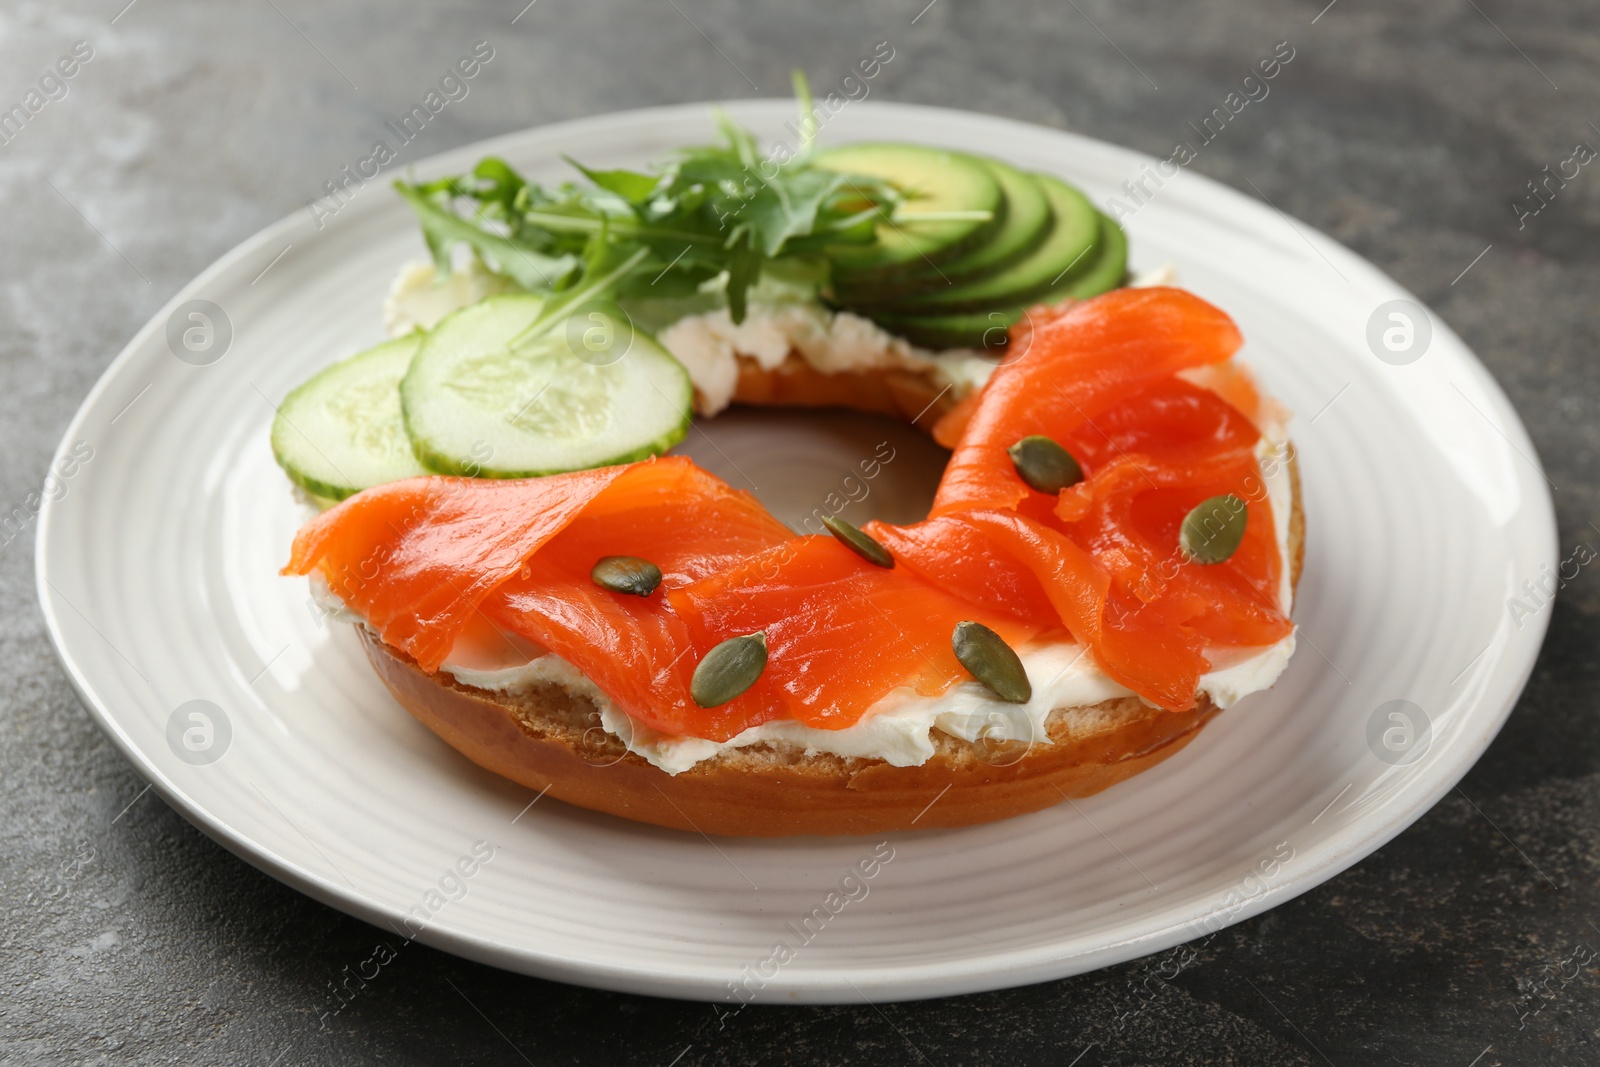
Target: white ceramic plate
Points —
{"points": [[157, 564]]}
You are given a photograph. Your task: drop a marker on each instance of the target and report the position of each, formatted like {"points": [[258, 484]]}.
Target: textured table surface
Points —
{"points": [[1406, 131]]}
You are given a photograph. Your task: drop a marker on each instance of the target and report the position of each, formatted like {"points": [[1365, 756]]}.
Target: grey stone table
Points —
{"points": [[1406, 131]]}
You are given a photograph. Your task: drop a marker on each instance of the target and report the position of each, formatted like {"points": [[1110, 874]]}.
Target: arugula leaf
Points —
{"points": [[719, 211], [808, 114], [740, 141], [444, 229], [744, 270], [497, 184], [601, 274], [632, 186], [788, 208]]}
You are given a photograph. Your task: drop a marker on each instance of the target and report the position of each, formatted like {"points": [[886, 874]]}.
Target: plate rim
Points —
{"points": [[898, 982]]}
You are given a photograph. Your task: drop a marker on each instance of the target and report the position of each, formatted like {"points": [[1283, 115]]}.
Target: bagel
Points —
{"points": [[530, 573], [549, 737]]}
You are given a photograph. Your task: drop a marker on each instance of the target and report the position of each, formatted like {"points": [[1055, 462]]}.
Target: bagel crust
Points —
{"points": [[794, 383], [550, 739]]}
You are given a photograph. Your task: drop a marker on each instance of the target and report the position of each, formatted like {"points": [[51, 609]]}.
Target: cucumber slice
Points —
{"points": [[934, 180], [1028, 221], [342, 431], [474, 405], [1069, 249], [1104, 269]]}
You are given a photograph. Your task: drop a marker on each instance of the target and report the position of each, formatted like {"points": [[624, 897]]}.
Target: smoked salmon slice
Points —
{"points": [[636, 649], [1132, 529], [1076, 364], [416, 557], [1137, 649], [1101, 558], [841, 632]]}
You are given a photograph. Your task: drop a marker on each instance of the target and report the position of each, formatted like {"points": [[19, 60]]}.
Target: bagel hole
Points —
{"points": [[804, 463]]}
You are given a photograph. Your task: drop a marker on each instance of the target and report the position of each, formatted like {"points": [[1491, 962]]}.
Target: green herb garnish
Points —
{"points": [[718, 215]]}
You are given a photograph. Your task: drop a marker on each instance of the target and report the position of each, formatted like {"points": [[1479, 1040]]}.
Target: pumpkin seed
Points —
{"points": [[1211, 532], [1043, 464], [858, 541], [988, 658], [729, 669], [626, 574]]}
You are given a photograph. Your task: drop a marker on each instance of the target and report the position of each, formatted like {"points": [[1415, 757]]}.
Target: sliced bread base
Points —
{"points": [[549, 739]]}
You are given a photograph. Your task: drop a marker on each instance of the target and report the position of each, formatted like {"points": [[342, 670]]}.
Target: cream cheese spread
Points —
{"points": [[418, 299], [896, 729], [831, 341]]}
